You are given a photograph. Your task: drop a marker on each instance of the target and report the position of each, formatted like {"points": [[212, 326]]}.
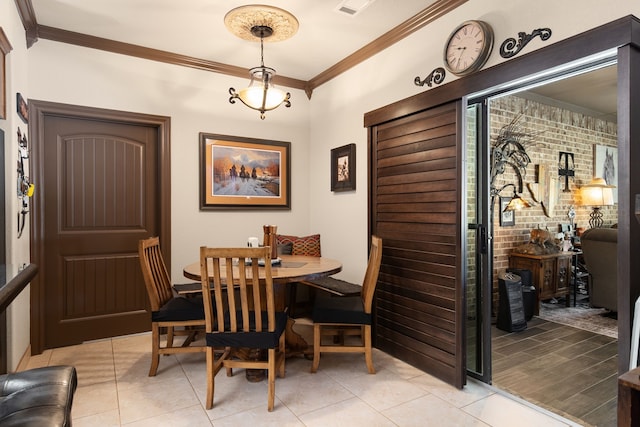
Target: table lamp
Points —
{"points": [[596, 194]]}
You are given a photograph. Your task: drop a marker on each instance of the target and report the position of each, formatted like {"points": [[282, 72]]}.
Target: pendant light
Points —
{"points": [[258, 22]]}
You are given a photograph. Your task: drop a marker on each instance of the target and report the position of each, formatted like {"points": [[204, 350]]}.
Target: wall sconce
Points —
{"points": [[596, 194], [516, 202]]}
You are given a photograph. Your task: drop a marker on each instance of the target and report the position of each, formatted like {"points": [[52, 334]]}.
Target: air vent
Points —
{"points": [[353, 7]]}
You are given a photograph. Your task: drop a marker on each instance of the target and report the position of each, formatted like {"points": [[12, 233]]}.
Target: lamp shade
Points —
{"points": [[597, 193], [261, 94], [517, 203]]}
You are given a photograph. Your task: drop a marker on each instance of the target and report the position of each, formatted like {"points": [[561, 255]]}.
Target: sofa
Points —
{"points": [[600, 251], [38, 397]]}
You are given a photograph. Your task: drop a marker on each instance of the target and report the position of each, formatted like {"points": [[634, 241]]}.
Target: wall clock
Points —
{"points": [[468, 47]]}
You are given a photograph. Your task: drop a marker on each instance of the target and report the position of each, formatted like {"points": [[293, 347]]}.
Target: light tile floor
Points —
{"points": [[115, 390]]}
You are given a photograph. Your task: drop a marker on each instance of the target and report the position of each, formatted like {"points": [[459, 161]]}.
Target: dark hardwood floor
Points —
{"points": [[565, 370]]}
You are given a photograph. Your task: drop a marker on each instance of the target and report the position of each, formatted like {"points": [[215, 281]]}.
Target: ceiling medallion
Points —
{"points": [[241, 20]]}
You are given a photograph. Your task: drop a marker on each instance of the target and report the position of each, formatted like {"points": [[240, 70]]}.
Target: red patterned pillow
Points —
{"points": [[307, 245]]}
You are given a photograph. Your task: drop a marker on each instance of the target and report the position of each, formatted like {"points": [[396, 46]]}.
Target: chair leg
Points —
{"points": [[271, 375], [169, 336], [211, 373], [366, 336], [283, 352], [316, 347], [155, 346]]}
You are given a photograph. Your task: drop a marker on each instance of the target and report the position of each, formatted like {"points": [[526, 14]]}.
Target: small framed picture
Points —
{"points": [[507, 218], [343, 168], [23, 109]]}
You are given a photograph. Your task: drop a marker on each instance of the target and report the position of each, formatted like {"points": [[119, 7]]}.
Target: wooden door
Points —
{"points": [[99, 194], [415, 209]]}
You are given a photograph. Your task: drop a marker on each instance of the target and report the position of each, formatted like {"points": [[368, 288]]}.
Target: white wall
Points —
{"points": [[17, 249], [197, 101]]}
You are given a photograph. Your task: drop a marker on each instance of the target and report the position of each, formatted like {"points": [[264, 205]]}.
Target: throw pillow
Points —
{"points": [[307, 245]]}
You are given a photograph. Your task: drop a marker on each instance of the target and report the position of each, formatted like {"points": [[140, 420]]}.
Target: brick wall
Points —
{"points": [[557, 130]]}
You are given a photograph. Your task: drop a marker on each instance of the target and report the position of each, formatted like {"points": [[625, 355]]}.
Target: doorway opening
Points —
{"points": [[566, 112]]}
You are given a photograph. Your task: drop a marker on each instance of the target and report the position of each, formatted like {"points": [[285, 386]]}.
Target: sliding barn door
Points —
{"points": [[415, 170]]}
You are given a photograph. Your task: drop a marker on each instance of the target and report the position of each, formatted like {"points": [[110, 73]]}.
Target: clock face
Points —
{"points": [[468, 47]]}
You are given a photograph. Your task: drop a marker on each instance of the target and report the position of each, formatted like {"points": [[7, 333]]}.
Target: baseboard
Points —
{"points": [[24, 360]]}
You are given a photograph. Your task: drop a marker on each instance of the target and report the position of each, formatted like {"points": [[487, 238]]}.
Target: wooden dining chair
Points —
{"points": [[168, 311], [338, 317], [243, 319]]}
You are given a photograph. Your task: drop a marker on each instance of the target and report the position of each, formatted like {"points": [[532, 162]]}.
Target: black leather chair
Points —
{"points": [[600, 251], [38, 397]]}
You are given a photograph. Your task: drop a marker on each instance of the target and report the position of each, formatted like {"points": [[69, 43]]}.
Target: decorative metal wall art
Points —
{"points": [[25, 187], [566, 169], [511, 47], [437, 76], [510, 149]]}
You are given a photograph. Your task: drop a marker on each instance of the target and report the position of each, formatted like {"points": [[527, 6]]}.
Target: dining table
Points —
{"points": [[284, 269]]}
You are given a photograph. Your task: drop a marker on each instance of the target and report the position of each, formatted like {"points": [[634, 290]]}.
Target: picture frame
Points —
{"points": [[238, 173], [22, 108], [343, 168], [508, 218], [605, 165], [5, 48]]}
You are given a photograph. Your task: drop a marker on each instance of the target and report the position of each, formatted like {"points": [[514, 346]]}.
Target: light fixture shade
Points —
{"points": [[517, 203], [597, 193], [261, 94]]}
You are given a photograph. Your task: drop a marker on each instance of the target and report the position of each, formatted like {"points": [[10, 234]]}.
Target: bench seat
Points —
{"points": [[334, 286], [38, 397]]}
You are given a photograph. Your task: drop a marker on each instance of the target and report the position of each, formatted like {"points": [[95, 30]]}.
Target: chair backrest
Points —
{"points": [[600, 251], [371, 275], [253, 289], [154, 272]]}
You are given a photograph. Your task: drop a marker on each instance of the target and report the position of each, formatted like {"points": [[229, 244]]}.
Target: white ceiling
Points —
{"points": [[593, 93], [325, 37]]}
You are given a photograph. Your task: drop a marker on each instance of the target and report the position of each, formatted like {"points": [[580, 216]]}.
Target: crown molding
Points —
{"points": [[28, 18], [79, 39], [34, 31], [5, 45], [408, 27]]}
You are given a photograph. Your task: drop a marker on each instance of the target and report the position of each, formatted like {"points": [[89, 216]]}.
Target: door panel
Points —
{"points": [[98, 178], [99, 193], [415, 208], [478, 250]]}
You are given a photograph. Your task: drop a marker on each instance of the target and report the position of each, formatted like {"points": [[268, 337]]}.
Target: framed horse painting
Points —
{"points": [[605, 165]]}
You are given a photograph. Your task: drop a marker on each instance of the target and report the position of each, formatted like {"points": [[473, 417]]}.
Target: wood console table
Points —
{"points": [[629, 398], [551, 274]]}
